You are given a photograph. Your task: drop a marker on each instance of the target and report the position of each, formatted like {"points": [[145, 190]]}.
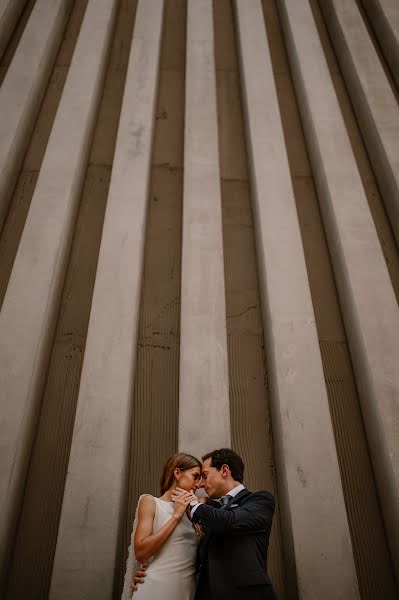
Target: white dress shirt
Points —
{"points": [[231, 493]]}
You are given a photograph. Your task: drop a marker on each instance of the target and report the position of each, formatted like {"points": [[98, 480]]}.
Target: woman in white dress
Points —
{"points": [[164, 538]]}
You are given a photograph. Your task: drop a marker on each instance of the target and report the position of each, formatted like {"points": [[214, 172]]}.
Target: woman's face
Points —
{"points": [[189, 479]]}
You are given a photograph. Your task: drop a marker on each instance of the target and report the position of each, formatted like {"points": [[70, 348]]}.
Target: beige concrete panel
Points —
{"points": [[86, 547], [384, 19], [314, 520], [31, 301], [368, 302], [23, 88], [204, 411], [372, 97], [9, 13]]}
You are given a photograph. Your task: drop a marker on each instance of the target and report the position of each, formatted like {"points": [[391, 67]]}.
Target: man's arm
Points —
{"points": [[256, 514]]}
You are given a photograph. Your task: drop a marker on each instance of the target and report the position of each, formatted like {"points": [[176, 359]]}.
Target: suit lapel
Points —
{"points": [[237, 499]]}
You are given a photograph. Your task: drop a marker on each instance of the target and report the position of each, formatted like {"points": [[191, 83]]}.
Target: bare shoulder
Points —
{"points": [[147, 505]]}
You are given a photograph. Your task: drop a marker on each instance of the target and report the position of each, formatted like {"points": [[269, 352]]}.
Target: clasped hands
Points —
{"points": [[186, 500], [183, 498]]}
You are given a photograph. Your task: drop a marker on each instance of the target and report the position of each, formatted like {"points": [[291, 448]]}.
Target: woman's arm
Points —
{"points": [[147, 543]]}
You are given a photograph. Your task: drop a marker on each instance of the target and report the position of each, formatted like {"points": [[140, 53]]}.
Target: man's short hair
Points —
{"points": [[226, 456]]}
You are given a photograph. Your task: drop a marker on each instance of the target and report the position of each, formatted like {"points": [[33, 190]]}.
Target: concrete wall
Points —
{"points": [[197, 249]]}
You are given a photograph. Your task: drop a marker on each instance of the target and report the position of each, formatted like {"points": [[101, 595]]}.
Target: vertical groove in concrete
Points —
{"points": [[156, 387], [31, 565], [383, 227], [249, 400], [204, 407], [11, 232], [14, 39]]}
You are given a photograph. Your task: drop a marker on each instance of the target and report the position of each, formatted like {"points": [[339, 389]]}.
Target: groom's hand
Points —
{"points": [[138, 577]]}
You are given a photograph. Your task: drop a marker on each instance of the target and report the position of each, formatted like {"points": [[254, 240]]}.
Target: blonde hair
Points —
{"points": [[180, 461]]}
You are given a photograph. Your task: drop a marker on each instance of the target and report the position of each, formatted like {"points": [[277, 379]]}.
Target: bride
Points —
{"points": [[163, 536]]}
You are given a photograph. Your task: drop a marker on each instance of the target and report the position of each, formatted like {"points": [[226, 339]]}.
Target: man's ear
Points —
{"points": [[226, 470]]}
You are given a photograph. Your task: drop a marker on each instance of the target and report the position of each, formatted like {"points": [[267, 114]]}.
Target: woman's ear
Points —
{"points": [[177, 473]]}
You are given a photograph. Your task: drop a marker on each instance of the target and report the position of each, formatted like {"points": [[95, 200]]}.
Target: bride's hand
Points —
{"points": [[182, 499]]}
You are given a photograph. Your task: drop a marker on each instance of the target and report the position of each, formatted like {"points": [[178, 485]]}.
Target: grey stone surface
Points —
{"points": [[314, 522], [367, 299], [86, 547], [9, 13], [375, 104], [23, 88], [30, 305], [384, 19], [204, 407]]}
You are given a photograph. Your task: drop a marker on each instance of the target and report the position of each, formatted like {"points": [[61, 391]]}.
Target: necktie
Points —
{"points": [[224, 500]]}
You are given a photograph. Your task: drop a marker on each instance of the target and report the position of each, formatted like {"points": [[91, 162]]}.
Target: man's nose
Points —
{"points": [[201, 484]]}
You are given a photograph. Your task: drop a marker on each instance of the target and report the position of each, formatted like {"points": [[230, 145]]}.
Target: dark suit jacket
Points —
{"points": [[232, 558]]}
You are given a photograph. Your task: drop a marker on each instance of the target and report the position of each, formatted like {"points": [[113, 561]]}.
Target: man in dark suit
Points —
{"points": [[232, 558]]}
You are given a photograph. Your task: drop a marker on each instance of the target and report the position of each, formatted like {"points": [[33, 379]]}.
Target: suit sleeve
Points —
{"points": [[255, 515]]}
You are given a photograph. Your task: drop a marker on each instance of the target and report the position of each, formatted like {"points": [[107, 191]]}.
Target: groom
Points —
{"points": [[232, 557]]}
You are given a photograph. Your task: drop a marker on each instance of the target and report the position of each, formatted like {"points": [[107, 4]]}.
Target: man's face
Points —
{"points": [[212, 480]]}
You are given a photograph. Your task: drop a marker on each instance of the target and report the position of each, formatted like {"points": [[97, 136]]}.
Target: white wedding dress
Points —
{"points": [[171, 572]]}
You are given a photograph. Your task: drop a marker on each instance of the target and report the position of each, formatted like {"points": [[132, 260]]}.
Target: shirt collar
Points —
{"points": [[235, 491]]}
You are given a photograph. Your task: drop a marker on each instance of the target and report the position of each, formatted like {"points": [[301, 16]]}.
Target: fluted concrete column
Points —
{"points": [[368, 302], [204, 410], [9, 13], [315, 529], [23, 88], [373, 99], [86, 547], [384, 19], [30, 305]]}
